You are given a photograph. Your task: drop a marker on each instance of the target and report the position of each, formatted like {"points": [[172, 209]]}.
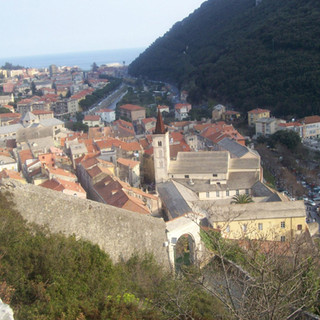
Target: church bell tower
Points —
{"points": [[161, 151]]}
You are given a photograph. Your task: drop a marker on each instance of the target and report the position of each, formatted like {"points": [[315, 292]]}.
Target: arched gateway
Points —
{"points": [[187, 225]]}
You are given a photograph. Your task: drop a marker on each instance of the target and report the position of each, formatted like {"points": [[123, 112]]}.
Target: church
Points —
{"points": [[204, 183]]}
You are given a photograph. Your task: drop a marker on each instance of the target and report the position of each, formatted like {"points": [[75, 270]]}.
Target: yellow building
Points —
{"points": [[4, 73], [276, 221], [255, 114]]}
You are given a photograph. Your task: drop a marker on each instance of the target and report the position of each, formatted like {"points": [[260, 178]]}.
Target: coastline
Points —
{"points": [[83, 60]]}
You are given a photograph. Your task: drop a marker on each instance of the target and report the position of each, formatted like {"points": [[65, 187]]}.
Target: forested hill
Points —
{"points": [[244, 55]]}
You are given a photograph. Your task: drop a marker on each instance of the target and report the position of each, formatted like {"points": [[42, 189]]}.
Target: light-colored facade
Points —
{"points": [[132, 112], [161, 156], [311, 127], [182, 110], [73, 106], [255, 114], [107, 115], [267, 126], [217, 112], [280, 221]]}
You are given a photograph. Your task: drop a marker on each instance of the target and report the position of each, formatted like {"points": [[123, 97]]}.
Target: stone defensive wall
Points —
{"points": [[118, 232]]}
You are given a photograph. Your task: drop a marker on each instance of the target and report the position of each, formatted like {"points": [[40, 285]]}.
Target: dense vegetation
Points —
{"points": [[47, 276], [99, 94], [243, 55]]}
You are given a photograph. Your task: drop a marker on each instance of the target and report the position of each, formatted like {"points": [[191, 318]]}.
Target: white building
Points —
{"points": [[107, 115]]}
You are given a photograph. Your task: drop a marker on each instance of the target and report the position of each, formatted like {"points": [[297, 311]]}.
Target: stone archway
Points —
{"points": [[185, 251], [181, 228]]}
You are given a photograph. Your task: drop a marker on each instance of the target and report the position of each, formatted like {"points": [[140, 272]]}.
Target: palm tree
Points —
{"points": [[241, 198]]}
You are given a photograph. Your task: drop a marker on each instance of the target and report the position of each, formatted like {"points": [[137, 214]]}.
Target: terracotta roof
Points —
{"points": [[94, 171], [25, 155], [60, 185], [128, 162], [179, 106], [10, 115], [131, 107], [105, 110], [124, 132], [88, 163], [148, 120], [176, 136], [61, 172], [91, 118], [311, 119], [181, 147], [162, 107], [11, 174], [231, 112], [39, 112], [290, 124], [258, 110], [130, 146], [123, 123]]}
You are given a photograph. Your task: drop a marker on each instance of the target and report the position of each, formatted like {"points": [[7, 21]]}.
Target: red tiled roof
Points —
{"points": [[11, 174], [179, 106], [148, 120], [258, 110], [290, 124], [10, 115], [131, 107], [231, 112], [39, 112], [163, 107], [123, 123], [105, 110], [61, 172], [91, 118], [181, 147], [128, 162], [311, 119], [25, 155]]}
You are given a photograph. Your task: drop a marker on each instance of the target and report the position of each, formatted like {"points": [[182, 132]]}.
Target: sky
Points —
{"points": [[36, 27]]}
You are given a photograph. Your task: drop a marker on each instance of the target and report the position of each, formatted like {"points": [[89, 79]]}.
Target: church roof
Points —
{"points": [[173, 200], [200, 162], [159, 125], [29, 116]]}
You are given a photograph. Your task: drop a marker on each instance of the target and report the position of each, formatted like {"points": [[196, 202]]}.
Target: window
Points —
{"points": [[214, 175], [227, 193], [283, 224], [186, 176], [247, 191], [299, 226], [282, 238], [228, 228], [218, 194], [159, 143], [244, 228], [208, 194], [237, 192], [260, 226]]}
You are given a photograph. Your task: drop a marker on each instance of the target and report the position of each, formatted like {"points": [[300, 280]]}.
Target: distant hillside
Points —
{"points": [[244, 55]]}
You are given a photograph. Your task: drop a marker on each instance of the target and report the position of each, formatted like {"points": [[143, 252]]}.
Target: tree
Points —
{"points": [[257, 279], [241, 198], [33, 88]]}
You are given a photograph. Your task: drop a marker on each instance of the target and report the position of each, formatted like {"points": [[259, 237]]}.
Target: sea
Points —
{"points": [[83, 60]]}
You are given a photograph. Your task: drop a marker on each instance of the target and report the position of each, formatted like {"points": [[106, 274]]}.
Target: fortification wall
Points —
{"points": [[118, 232]]}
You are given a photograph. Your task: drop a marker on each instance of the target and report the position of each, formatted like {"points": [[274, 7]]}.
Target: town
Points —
{"points": [[72, 132]]}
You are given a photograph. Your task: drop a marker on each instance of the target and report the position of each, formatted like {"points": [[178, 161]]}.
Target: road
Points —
{"points": [[109, 102]]}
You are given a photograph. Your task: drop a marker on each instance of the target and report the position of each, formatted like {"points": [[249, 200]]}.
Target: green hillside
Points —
{"points": [[243, 55]]}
